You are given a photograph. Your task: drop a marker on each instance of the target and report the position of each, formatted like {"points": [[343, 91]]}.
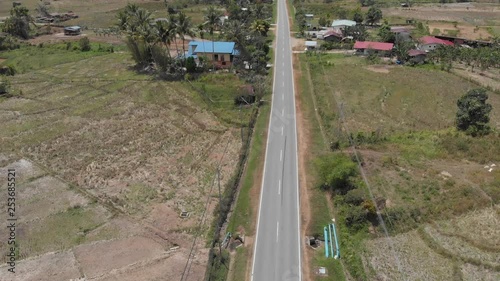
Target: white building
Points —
{"points": [[339, 25]]}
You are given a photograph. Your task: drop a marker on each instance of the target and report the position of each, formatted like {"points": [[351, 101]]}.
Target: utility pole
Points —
{"points": [[241, 125], [220, 211]]}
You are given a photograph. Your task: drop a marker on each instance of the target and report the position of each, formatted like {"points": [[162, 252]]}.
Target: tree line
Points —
{"points": [[151, 40], [482, 57]]}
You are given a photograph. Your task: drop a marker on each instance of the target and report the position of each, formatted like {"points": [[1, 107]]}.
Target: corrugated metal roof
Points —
{"points": [[343, 23], [332, 33], [311, 43], [72, 28], [434, 40], [207, 47], [414, 53], [379, 46]]}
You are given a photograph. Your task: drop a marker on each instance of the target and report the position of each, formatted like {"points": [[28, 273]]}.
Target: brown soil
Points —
{"points": [[379, 68], [298, 44], [52, 266], [100, 258], [59, 37], [476, 14], [304, 142], [465, 31]]}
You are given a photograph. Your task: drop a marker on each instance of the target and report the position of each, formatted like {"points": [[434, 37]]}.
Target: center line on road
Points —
{"points": [[277, 230], [279, 187], [283, 112], [282, 128], [281, 155]]}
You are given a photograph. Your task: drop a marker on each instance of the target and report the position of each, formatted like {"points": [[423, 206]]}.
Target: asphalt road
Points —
{"points": [[277, 252]]}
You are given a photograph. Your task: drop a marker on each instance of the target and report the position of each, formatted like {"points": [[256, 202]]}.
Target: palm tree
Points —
{"points": [[184, 28], [165, 34], [213, 22], [234, 30], [261, 27], [172, 21], [122, 21], [201, 32]]}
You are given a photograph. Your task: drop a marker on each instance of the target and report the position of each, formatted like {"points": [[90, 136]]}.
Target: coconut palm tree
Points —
{"points": [[184, 28], [165, 34], [172, 21], [261, 27], [201, 32], [213, 22]]}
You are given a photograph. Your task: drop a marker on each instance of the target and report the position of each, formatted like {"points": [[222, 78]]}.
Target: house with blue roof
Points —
{"points": [[220, 53]]}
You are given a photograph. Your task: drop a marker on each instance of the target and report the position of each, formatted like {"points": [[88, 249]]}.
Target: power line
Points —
{"points": [[187, 267]]}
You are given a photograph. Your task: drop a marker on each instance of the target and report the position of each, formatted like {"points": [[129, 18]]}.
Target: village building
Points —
{"points": [[311, 45], [332, 36], [430, 43], [220, 53], [417, 56], [367, 47], [340, 25]]}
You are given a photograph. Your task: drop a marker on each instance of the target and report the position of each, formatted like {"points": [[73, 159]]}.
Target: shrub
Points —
{"points": [[354, 197], [85, 44], [8, 42], [4, 87], [335, 172], [190, 65], [9, 70], [473, 113], [355, 217]]}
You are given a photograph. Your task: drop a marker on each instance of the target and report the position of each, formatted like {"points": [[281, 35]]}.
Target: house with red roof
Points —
{"points": [[332, 36], [417, 56], [430, 43], [365, 47]]}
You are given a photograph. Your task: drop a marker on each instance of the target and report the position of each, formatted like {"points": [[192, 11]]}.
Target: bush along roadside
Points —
{"points": [[218, 262], [339, 176]]}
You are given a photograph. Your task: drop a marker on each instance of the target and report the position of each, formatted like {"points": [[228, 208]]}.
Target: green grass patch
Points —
{"points": [[333, 266], [242, 215], [59, 232], [240, 264], [218, 91], [30, 58]]}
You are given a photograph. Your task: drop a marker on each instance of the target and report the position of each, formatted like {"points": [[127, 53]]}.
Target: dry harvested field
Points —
{"points": [[465, 247], [472, 13], [90, 12], [106, 159], [101, 14], [473, 20]]}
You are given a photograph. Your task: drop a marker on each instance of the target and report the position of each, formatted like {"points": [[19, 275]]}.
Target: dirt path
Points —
{"points": [[304, 143]]}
